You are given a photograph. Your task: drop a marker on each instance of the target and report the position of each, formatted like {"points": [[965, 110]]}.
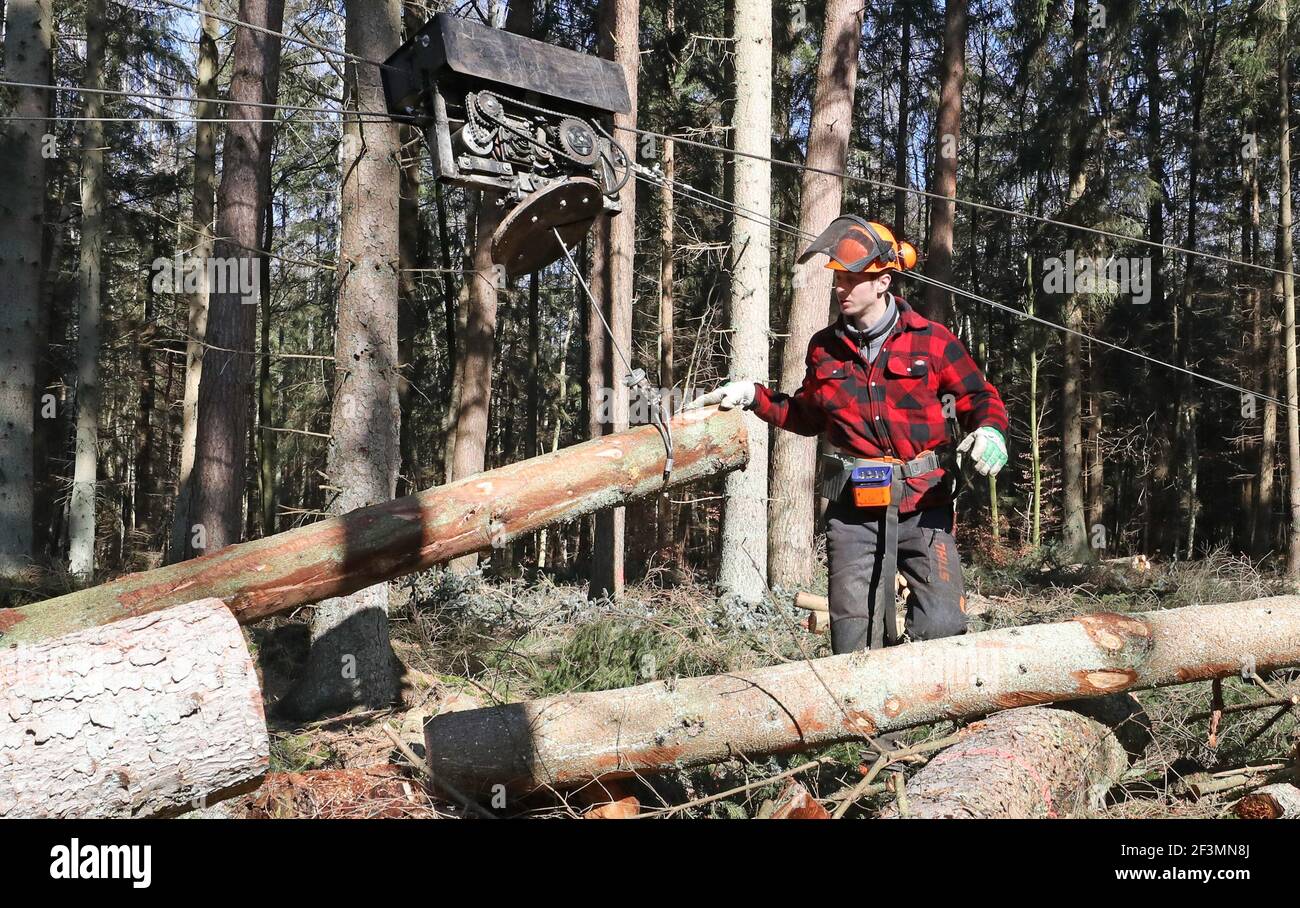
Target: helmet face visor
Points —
{"points": [[851, 244]]}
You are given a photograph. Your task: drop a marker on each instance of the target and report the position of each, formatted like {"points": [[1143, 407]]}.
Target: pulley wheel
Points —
{"points": [[523, 242]]}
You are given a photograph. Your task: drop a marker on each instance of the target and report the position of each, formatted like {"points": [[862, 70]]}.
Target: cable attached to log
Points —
{"points": [[635, 378]]}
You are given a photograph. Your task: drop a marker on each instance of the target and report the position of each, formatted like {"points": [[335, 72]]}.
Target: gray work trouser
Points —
{"points": [[927, 557]]}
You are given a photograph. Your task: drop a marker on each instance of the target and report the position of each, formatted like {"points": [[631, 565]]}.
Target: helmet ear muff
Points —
{"points": [[907, 255], [888, 254]]}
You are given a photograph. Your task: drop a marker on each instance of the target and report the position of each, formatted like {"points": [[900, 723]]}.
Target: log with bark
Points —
{"points": [[340, 555], [151, 716], [1019, 764], [566, 739]]}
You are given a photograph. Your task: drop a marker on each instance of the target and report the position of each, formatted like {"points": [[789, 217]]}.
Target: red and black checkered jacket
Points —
{"points": [[893, 407]]}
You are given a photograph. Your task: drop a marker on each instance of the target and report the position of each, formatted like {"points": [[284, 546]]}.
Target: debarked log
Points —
{"points": [[150, 716], [567, 739], [340, 555]]}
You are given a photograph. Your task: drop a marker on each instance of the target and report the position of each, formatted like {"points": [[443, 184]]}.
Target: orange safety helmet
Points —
{"points": [[861, 246]]}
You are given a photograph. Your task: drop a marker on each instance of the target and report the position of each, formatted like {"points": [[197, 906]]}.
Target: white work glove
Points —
{"points": [[732, 394], [987, 448]]}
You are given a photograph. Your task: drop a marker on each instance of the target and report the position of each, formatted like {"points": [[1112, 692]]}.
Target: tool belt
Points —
{"points": [[837, 470], [877, 486]]}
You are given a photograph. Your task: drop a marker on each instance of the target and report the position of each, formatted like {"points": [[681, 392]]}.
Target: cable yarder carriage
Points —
{"points": [[517, 117]]}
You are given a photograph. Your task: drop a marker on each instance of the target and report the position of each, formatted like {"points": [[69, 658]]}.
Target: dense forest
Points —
{"points": [[238, 301]]}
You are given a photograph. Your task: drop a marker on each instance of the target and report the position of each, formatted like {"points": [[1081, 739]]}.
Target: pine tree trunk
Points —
{"points": [[793, 510], [1253, 366], [902, 142], [618, 40], [411, 317], [478, 341], [81, 529], [947, 140], [204, 191], [266, 439], [226, 386], [1075, 529], [28, 51], [1267, 494], [151, 716], [1286, 262], [145, 499], [743, 569], [1185, 320], [351, 661], [667, 374]]}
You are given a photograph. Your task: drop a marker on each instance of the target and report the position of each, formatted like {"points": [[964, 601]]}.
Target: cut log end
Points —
{"points": [[1280, 801]]}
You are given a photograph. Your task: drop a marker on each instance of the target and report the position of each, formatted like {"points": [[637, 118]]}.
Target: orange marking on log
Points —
{"points": [[807, 721], [1022, 698], [1111, 631], [893, 706], [1105, 679], [859, 721], [10, 617], [1208, 670], [622, 763]]}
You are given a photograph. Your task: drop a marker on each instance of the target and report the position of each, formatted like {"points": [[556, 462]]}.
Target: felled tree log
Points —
{"points": [[338, 556], [149, 716], [566, 739], [1280, 801], [1019, 764]]}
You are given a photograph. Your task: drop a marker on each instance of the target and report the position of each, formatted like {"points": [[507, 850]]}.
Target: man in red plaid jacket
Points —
{"points": [[881, 384]]}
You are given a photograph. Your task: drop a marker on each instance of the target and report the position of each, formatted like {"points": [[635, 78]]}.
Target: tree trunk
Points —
{"points": [[81, 528], [1286, 261], [813, 703], [618, 41], [341, 555], [145, 497], [667, 374], [151, 716], [28, 58], [1188, 403], [1020, 764], [743, 568], [205, 187], [947, 145], [351, 661], [902, 142], [1075, 537], [226, 386], [793, 510], [266, 438], [478, 342]]}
